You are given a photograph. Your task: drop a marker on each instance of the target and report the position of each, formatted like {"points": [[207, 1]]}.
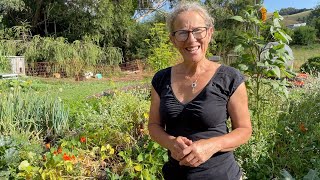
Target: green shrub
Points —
{"points": [[312, 66], [163, 54], [304, 35]]}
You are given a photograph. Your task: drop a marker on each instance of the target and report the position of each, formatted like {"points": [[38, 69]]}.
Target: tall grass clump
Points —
{"points": [[4, 63], [32, 112]]}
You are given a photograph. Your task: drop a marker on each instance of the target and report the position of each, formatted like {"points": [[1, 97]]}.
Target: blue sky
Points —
{"points": [[273, 5]]}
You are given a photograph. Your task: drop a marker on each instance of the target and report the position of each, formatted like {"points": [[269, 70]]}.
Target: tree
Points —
{"points": [[304, 35], [314, 19]]}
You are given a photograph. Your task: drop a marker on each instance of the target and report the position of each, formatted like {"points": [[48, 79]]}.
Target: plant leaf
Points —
{"points": [[237, 18], [138, 167], [24, 165]]}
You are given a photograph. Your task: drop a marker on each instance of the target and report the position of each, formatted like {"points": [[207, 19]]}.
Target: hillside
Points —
{"points": [[294, 18]]}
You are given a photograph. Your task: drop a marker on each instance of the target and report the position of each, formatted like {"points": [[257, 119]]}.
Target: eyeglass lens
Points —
{"points": [[198, 33]]}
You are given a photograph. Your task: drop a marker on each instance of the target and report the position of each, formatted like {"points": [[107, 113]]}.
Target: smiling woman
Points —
{"points": [[192, 101]]}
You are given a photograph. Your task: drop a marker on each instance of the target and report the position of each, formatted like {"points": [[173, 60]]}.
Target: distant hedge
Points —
{"points": [[312, 66]]}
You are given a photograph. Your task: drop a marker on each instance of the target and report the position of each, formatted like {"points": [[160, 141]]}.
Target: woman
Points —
{"points": [[191, 102]]}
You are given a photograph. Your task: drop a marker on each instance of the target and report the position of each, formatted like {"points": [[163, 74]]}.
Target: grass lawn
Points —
{"points": [[71, 90], [303, 53]]}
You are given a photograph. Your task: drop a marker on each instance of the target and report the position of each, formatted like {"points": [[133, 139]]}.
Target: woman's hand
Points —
{"points": [[199, 152], [177, 146]]}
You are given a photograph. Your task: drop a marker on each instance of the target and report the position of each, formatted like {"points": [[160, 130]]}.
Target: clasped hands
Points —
{"points": [[190, 153]]}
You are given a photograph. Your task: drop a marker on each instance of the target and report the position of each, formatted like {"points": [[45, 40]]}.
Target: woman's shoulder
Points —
{"points": [[229, 71], [163, 71], [228, 78]]}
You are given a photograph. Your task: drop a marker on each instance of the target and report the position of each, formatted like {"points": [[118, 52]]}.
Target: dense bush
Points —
{"points": [[304, 35], [312, 66]]}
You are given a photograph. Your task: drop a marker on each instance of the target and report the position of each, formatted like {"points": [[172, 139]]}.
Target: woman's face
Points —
{"points": [[193, 49]]}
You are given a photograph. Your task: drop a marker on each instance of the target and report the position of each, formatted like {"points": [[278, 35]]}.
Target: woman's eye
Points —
{"points": [[197, 31], [182, 33]]}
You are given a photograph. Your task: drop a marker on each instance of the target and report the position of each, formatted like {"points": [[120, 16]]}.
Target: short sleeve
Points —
{"points": [[228, 80], [236, 79], [159, 79]]}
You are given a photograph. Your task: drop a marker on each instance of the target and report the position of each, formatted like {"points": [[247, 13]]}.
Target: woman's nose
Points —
{"points": [[191, 37]]}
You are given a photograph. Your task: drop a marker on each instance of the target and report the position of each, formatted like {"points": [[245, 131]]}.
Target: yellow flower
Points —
{"points": [[263, 12]]}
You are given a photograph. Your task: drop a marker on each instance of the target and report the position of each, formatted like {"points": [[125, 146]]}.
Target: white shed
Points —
{"points": [[17, 64]]}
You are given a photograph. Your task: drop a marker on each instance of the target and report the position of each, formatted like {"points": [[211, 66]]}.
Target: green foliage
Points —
{"points": [[259, 61], [288, 137], [75, 57], [112, 56], [144, 160], [122, 115], [304, 35], [297, 139], [4, 64], [16, 147], [225, 42], [163, 54], [314, 20], [312, 66], [21, 111]]}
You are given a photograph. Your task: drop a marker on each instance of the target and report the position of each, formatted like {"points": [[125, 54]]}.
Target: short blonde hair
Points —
{"points": [[189, 6]]}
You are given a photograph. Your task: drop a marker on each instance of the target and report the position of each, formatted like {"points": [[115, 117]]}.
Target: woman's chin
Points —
{"points": [[194, 59]]}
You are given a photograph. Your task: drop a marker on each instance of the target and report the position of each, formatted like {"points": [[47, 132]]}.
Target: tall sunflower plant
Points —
{"points": [[263, 57]]}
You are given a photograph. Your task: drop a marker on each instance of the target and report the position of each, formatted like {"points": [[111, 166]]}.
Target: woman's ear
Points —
{"points": [[210, 33]]}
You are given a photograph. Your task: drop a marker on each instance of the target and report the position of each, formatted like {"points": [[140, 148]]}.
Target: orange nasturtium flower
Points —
{"points": [[66, 157], [83, 139], [263, 12]]}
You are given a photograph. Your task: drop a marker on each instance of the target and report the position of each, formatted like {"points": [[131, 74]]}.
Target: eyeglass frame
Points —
{"points": [[192, 31]]}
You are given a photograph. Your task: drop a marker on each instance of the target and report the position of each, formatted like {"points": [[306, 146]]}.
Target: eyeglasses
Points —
{"points": [[183, 35]]}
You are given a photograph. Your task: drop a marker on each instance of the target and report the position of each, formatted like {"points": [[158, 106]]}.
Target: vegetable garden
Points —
{"points": [[97, 129]]}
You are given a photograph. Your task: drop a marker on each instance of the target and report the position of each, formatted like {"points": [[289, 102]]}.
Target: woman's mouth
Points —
{"points": [[192, 49]]}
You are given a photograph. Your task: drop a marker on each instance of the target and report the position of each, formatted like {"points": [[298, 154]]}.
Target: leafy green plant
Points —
{"points": [[258, 61], [144, 161], [15, 148], [312, 66], [163, 53]]}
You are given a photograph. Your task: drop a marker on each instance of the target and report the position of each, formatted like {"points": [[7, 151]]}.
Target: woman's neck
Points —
{"points": [[193, 68]]}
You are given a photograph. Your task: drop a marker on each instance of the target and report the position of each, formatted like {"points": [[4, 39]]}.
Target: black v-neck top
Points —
{"points": [[203, 117]]}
